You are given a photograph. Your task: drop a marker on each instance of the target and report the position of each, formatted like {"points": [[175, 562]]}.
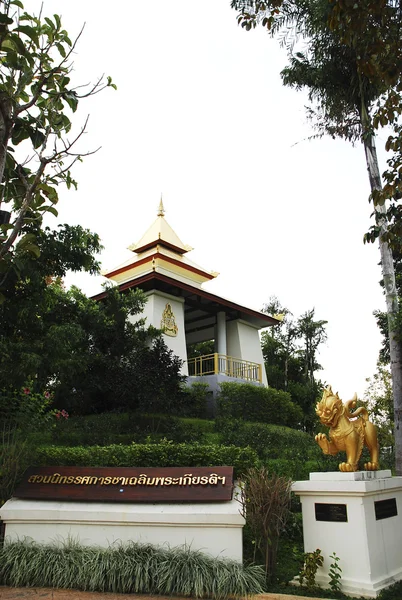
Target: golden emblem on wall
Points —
{"points": [[168, 322]]}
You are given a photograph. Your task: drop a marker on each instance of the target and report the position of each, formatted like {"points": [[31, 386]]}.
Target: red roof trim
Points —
{"points": [[161, 256], [190, 288]]}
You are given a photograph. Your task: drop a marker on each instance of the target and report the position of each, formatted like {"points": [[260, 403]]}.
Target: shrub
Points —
{"points": [[129, 569], [164, 454], [195, 401], [21, 412], [254, 403], [112, 428], [265, 501], [269, 441]]}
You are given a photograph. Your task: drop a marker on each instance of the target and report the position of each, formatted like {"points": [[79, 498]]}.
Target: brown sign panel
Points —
{"points": [[128, 484]]}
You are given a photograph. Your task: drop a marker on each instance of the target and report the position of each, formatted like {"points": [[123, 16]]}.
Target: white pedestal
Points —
{"points": [[214, 528], [369, 547]]}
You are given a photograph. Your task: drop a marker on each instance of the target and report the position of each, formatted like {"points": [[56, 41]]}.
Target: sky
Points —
{"points": [[200, 116]]}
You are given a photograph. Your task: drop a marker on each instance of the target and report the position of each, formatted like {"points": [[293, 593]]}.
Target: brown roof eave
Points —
{"points": [[200, 292]]}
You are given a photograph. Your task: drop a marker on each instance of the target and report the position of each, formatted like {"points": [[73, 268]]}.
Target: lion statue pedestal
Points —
{"points": [[356, 514]]}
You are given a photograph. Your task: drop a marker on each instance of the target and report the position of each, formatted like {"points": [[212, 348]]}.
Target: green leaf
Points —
{"points": [[37, 138], [32, 249], [30, 32], [61, 50], [18, 44], [50, 23], [71, 99], [21, 132], [27, 242], [49, 192], [12, 59], [5, 19], [17, 3], [5, 227], [50, 209]]}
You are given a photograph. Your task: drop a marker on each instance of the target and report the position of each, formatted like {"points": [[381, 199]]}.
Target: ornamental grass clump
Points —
{"points": [[127, 568]]}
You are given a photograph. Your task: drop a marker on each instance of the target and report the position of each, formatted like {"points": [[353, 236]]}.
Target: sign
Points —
{"points": [[128, 484], [384, 509], [331, 512]]}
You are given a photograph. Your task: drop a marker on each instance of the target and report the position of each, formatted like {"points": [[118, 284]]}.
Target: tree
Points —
{"points": [[34, 296], [313, 334], [36, 100], [379, 400], [94, 355], [279, 342], [290, 356], [344, 95]]}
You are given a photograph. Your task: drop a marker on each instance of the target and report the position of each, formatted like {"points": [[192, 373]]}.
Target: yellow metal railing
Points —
{"points": [[212, 364]]}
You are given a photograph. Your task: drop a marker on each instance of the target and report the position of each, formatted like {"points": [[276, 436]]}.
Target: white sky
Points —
{"points": [[201, 116]]}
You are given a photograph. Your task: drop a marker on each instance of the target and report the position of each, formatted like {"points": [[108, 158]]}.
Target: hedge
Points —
{"points": [[164, 454], [269, 441], [254, 403]]}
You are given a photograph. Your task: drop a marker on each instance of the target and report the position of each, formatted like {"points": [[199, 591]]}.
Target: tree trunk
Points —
{"points": [[388, 273], [5, 131]]}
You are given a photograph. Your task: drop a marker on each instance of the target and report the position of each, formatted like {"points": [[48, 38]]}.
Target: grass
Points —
{"points": [[130, 568]]}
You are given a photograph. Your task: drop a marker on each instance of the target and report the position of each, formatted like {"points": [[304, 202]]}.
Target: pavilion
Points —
{"points": [[188, 314]]}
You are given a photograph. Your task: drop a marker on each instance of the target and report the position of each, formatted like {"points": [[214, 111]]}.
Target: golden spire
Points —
{"points": [[161, 209]]}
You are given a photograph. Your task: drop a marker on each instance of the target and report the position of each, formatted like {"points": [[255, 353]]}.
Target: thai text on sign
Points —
{"points": [[174, 484]]}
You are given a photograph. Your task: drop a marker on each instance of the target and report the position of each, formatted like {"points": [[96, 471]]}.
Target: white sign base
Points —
{"points": [[213, 528], [369, 542]]}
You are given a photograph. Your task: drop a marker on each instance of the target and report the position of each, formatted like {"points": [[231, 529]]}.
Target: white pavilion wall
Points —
{"points": [[243, 341], [153, 310]]}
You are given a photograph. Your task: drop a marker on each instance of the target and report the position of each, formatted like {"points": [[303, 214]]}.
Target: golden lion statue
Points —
{"points": [[348, 431]]}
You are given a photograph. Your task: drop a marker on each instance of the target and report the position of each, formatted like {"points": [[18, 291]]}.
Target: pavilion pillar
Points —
{"points": [[221, 332]]}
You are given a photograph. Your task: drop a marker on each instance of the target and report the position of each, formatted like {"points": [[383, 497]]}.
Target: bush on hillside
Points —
{"points": [[269, 441], [112, 428], [254, 403], [195, 401]]}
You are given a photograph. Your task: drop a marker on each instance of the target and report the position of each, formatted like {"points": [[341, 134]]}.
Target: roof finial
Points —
{"points": [[161, 209]]}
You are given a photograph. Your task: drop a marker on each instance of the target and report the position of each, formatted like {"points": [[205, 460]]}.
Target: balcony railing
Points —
{"points": [[212, 364]]}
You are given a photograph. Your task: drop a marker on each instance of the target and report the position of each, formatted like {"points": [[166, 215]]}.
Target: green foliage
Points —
{"points": [[371, 30], [153, 380], [37, 97], [335, 573], [312, 561], [24, 409], [21, 412], [265, 501], [15, 457], [93, 353], [290, 355], [394, 592], [163, 454], [40, 336], [122, 428], [269, 441], [379, 399], [195, 400], [128, 569], [254, 403], [201, 349]]}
